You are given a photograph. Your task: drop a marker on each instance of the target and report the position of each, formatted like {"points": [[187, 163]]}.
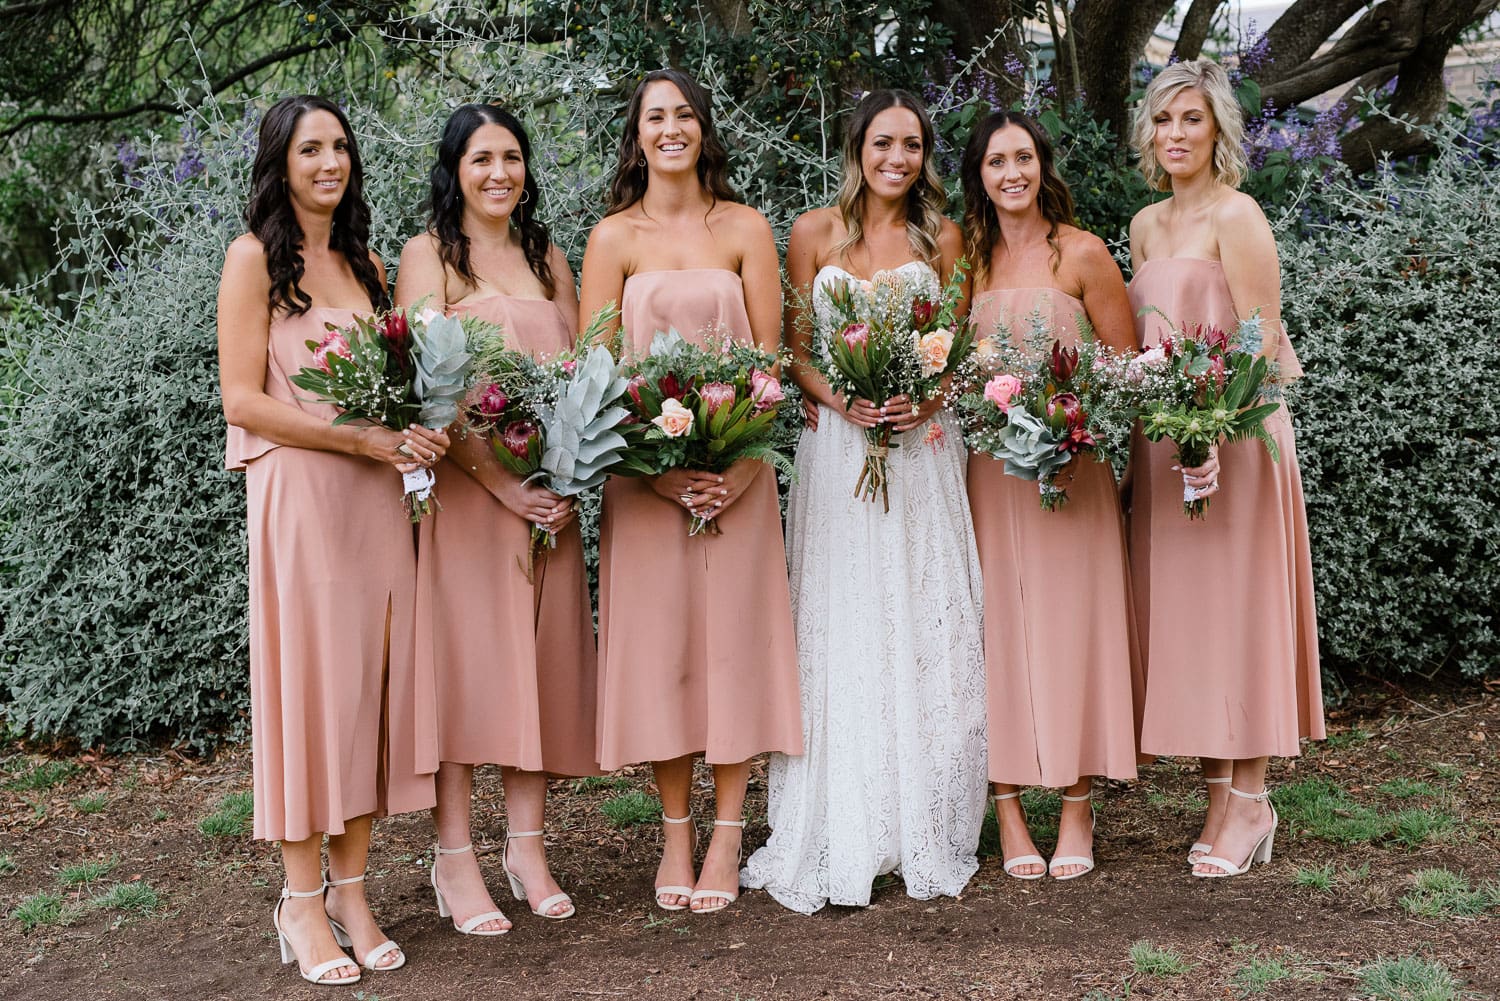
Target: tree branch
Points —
{"points": [[1387, 34], [1194, 30], [1299, 32]]}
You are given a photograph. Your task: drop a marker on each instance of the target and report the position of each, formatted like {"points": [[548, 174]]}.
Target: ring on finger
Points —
{"points": [[405, 449]]}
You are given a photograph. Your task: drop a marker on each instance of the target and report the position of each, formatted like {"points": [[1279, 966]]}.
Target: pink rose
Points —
{"points": [[856, 335], [333, 343], [674, 419], [1001, 390], [491, 402], [517, 438], [716, 395], [765, 390]]}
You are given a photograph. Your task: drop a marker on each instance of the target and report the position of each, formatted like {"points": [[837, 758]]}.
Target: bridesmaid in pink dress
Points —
{"points": [[696, 649], [341, 725], [513, 659], [1247, 686], [1059, 644]]}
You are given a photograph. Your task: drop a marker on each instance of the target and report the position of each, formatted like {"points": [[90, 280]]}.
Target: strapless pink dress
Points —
{"points": [[696, 647], [1059, 638], [514, 661], [336, 731], [1224, 605]]}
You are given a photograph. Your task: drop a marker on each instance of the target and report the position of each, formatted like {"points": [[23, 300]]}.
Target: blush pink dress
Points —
{"points": [[696, 647], [1059, 640], [513, 659], [1224, 605], [338, 728]]}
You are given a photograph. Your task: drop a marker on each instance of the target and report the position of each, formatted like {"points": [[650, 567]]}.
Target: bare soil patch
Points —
{"points": [[1430, 750]]}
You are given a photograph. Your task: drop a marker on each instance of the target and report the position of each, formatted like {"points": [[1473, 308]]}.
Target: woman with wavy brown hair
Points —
{"points": [[336, 732], [886, 602], [1059, 646], [511, 651], [696, 654]]}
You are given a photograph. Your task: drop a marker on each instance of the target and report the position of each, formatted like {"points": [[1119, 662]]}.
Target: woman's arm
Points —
{"points": [[244, 337], [760, 271], [604, 268], [422, 274], [1104, 296], [1247, 250], [565, 292]]}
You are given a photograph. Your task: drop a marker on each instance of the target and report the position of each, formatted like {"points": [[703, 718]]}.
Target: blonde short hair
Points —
{"points": [[1209, 79]]}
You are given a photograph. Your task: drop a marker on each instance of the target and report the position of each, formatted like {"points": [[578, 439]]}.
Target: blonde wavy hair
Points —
{"points": [[925, 200], [1209, 79]]}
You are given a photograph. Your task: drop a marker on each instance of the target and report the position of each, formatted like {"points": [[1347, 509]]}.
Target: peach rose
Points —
{"points": [[986, 349], [675, 419], [933, 349]]}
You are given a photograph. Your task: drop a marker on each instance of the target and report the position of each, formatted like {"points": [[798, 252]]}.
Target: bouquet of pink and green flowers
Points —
{"points": [[705, 408], [400, 368], [553, 421], [888, 337], [1209, 386], [1039, 409]]}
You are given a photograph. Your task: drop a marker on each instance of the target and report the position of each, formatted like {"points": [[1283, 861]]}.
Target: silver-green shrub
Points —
{"points": [[1392, 306]]}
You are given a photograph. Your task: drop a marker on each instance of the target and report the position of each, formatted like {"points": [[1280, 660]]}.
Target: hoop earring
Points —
{"points": [[525, 197]]}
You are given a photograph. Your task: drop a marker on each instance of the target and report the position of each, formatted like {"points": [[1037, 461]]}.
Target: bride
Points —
{"points": [[887, 605]]}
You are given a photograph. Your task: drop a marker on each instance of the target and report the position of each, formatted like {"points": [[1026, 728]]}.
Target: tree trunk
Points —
{"points": [[1194, 30], [1299, 32], [1110, 37], [994, 27]]}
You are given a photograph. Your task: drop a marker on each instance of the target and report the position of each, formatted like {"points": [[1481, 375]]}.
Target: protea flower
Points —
{"points": [[1067, 403], [716, 395], [492, 402], [765, 390], [333, 343], [856, 335], [922, 312], [1064, 361], [633, 387], [397, 334], [517, 437]]}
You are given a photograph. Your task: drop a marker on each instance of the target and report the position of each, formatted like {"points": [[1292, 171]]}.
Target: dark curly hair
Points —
{"points": [[981, 221], [629, 183], [268, 214], [446, 201]]}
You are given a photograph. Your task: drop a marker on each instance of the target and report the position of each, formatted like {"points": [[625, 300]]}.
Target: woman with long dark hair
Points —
{"points": [[337, 720], [696, 654], [512, 658], [1232, 660], [1059, 646], [887, 604]]}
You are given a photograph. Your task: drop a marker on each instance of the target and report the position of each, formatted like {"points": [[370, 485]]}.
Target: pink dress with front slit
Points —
{"points": [[696, 647], [338, 730], [1224, 605], [513, 659], [1059, 640]]}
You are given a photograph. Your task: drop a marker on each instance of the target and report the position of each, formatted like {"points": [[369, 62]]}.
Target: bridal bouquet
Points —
{"points": [[1216, 387], [1039, 409], [400, 368], [704, 408], [554, 422], [888, 337]]}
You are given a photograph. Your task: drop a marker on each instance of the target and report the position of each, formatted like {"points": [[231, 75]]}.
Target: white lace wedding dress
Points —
{"points": [[889, 640]]}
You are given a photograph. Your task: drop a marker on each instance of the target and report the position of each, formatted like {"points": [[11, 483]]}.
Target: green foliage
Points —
{"points": [[231, 819], [1258, 975], [1154, 961], [132, 898], [1319, 878], [1409, 978], [83, 873], [1398, 452], [632, 808], [7, 864], [43, 775], [39, 909], [1319, 808], [93, 802], [1439, 893]]}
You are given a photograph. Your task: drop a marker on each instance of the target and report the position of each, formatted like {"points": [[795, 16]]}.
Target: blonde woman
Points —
{"points": [[1224, 605], [887, 605]]}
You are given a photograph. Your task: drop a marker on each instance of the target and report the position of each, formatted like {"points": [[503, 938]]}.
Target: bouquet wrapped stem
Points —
{"points": [[874, 477]]}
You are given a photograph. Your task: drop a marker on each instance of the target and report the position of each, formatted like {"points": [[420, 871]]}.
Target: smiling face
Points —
{"points": [[669, 131], [1011, 170], [491, 172], [891, 156], [317, 163], [1185, 134]]}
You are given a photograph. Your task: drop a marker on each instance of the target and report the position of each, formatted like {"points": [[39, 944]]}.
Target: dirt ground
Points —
{"points": [[210, 935]]}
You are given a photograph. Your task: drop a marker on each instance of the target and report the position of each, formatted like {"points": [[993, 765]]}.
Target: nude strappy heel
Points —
{"points": [[1019, 860], [471, 926], [1087, 861], [544, 909], [1260, 853], [341, 936], [676, 891], [728, 896], [288, 955], [1202, 848]]}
